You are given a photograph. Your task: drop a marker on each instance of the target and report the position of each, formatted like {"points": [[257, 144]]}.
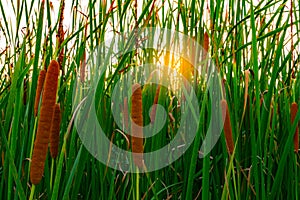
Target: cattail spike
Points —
{"points": [[39, 89], [83, 59], [137, 125], [54, 134], [205, 42], [205, 48], [227, 127], [60, 34], [44, 124]]}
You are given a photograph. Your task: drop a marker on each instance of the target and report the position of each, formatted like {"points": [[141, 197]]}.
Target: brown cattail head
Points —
{"points": [[247, 72], [294, 110], [44, 124], [39, 89], [205, 44], [82, 67], [54, 134], [137, 125], [60, 34], [153, 111], [227, 127], [205, 49], [83, 59]]}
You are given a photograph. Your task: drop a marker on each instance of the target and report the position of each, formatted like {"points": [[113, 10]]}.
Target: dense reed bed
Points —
{"points": [[254, 46]]}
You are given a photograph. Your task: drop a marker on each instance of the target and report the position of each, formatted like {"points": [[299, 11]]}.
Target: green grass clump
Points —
{"points": [[257, 41]]}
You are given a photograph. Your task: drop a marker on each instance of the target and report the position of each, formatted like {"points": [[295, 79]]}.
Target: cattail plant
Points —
{"points": [[294, 110], [82, 67], [83, 58], [137, 125], [44, 124], [54, 133], [60, 34], [205, 48], [247, 49], [25, 83], [227, 127], [205, 44], [247, 72], [39, 89]]}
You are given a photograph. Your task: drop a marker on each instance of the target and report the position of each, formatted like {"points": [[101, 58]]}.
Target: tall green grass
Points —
{"points": [[243, 35]]}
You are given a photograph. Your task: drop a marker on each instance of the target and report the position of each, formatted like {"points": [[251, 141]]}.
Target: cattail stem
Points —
{"points": [[39, 89], [44, 124], [227, 127], [294, 110], [54, 134], [137, 125]]}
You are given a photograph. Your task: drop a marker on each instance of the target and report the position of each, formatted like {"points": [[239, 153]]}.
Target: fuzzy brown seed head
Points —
{"points": [[205, 49], [227, 127], [54, 134], [60, 34], [137, 125], [205, 42], [44, 124], [39, 89]]}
